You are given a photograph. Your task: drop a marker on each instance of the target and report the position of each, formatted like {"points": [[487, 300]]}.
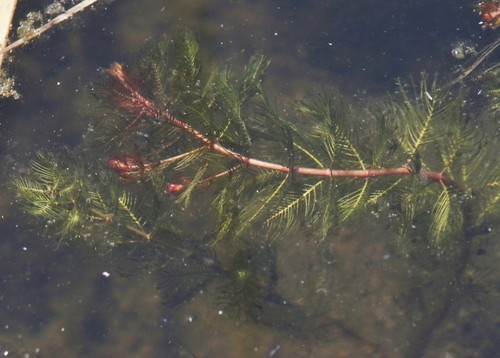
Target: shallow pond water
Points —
{"points": [[360, 293]]}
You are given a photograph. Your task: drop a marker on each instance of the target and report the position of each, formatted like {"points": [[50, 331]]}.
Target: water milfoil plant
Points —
{"points": [[190, 172], [174, 134]]}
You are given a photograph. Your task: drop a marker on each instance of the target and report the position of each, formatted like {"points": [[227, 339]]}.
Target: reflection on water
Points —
{"points": [[359, 293]]}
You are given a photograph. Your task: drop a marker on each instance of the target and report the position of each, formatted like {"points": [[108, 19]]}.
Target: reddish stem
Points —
{"points": [[439, 178], [145, 106]]}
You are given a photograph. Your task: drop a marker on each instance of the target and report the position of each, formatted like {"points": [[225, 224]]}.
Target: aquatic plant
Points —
{"points": [[173, 133], [175, 148], [490, 13]]}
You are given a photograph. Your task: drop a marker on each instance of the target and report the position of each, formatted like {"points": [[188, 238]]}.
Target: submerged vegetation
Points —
{"points": [[173, 135], [183, 163]]}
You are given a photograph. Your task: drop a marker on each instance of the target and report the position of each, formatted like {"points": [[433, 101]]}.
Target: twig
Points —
{"points": [[483, 55], [56, 20], [7, 8]]}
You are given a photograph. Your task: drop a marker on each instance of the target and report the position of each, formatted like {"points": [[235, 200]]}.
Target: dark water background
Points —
{"points": [[54, 300]]}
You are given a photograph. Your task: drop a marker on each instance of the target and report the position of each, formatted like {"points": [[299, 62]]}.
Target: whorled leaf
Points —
{"points": [[446, 217]]}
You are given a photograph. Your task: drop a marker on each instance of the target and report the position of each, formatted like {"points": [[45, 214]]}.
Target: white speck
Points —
{"points": [[274, 350], [276, 33], [106, 274], [428, 95], [330, 44], [386, 256], [25, 248], [220, 312], [58, 83]]}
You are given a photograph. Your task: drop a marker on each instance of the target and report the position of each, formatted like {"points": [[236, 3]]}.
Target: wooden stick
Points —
{"points": [[7, 8], [56, 20]]}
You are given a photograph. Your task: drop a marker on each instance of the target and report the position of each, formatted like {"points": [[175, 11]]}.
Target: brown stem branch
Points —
{"points": [[322, 172], [142, 106]]}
